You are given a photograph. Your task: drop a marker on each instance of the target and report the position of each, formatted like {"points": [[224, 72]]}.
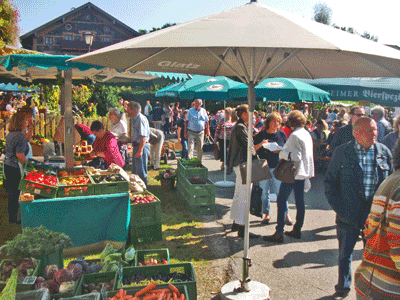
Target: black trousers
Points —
{"points": [[12, 178]]}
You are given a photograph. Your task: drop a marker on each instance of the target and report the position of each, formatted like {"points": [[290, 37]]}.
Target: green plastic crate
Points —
{"points": [[133, 290], [187, 171], [145, 234], [198, 194], [145, 213], [75, 190], [182, 268], [110, 187], [203, 205], [158, 254], [35, 188], [21, 287], [56, 258], [96, 278]]}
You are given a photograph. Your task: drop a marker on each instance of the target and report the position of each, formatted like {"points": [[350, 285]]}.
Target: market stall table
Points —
{"points": [[89, 221]]}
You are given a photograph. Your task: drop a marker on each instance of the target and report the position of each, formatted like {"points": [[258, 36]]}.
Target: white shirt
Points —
{"points": [[119, 129], [300, 147]]}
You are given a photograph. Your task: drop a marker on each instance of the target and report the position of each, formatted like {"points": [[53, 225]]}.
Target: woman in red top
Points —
{"points": [[105, 145]]}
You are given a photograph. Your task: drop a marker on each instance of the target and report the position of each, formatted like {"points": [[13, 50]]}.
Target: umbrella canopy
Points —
{"points": [[203, 87], [31, 67], [9, 87], [283, 89], [272, 42], [382, 91]]}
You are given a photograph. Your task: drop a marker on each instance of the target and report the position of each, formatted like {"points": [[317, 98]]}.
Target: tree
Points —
{"points": [[144, 31], [369, 36], [322, 13], [8, 24]]}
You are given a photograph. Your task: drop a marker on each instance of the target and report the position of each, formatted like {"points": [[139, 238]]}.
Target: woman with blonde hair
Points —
{"points": [[299, 148], [271, 134], [15, 152]]}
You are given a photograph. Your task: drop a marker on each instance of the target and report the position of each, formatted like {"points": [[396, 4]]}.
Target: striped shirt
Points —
{"points": [[366, 159], [382, 252]]}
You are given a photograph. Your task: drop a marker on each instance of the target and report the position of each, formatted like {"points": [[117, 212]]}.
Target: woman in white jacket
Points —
{"points": [[300, 148]]}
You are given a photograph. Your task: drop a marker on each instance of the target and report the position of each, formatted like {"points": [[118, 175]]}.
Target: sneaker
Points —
{"points": [[265, 222], [288, 222]]}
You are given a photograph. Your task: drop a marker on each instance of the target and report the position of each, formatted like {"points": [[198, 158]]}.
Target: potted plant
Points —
{"points": [[167, 179]]}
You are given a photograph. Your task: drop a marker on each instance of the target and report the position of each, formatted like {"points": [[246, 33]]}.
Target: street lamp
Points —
{"points": [[88, 38]]}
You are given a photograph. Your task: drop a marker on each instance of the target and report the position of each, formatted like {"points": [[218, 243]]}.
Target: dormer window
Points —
{"points": [[49, 41]]}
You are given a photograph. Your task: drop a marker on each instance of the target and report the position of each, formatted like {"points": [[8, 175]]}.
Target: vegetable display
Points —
{"points": [[25, 268], [34, 242], [140, 278], [58, 281], [76, 180], [152, 262], [142, 198], [108, 178], [150, 292], [87, 267], [39, 177], [91, 287], [78, 172]]}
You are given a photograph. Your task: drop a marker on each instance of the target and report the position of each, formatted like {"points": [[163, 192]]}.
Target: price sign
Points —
{"points": [[29, 280]]}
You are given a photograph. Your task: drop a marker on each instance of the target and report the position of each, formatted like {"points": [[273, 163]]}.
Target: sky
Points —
{"points": [[379, 18]]}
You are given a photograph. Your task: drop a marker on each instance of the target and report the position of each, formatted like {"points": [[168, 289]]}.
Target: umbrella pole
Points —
{"points": [[251, 96]]}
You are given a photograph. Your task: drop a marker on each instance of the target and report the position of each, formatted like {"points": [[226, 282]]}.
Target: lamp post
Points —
{"points": [[89, 36]]}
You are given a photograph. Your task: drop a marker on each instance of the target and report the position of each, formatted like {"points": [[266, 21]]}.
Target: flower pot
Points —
{"points": [[168, 184]]}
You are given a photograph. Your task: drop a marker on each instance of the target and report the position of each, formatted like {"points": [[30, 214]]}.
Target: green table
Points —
{"points": [[86, 220]]}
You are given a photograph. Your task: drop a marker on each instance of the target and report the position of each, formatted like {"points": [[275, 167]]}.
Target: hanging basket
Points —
{"points": [[168, 185]]}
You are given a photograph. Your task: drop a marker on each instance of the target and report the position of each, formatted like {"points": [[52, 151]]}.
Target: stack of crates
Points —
{"points": [[146, 218], [199, 197]]}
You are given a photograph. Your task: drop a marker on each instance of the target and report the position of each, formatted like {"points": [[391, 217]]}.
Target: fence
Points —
{"points": [[45, 124]]}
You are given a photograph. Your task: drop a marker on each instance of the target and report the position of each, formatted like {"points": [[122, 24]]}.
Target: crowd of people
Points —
{"points": [[361, 174]]}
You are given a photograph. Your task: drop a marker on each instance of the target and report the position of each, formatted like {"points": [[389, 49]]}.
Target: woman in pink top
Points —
{"points": [[105, 145]]}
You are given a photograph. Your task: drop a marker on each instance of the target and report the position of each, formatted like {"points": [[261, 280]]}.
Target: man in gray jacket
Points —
{"points": [[354, 173]]}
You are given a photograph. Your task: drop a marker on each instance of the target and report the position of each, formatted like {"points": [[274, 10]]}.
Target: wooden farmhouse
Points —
{"points": [[66, 34]]}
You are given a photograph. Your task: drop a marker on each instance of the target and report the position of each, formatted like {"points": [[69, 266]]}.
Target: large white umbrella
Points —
{"points": [[251, 42]]}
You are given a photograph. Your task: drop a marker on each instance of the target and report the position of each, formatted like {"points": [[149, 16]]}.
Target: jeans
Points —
{"points": [[269, 186], [139, 165], [184, 144], [167, 126], [12, 178], [347, 236], [284, 193]]}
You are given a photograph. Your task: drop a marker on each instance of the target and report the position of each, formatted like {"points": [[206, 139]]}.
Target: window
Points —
{"points": [[107, 39], [49, 40], [68, 37]]}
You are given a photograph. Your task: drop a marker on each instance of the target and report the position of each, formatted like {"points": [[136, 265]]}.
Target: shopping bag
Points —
{"points": [[286, 170], [259, 171], [208, 145], [216, 151], [255, 201]]}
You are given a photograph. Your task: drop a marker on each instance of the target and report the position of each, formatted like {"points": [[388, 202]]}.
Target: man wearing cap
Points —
{"points": [[196, 122]]}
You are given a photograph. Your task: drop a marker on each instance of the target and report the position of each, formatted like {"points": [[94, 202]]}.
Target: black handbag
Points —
{"points": [[255, 201], [208, 145], [286, 170]]}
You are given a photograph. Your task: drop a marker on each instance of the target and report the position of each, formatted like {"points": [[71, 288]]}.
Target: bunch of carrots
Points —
{"points": [[150, 293]]}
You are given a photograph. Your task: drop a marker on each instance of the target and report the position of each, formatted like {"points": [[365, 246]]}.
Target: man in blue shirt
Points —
{"points": [[196, 122], [140, 135]]}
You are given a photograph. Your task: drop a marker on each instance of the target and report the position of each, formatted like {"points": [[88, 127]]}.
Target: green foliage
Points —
{"points": [[33, 242], [8, 24], [51, 96], [105, 97], [322, 13], [2, 145], [80, 97]]}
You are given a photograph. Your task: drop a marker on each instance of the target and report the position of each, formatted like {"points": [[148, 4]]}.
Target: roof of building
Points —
{"points": [[74, 11]]}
